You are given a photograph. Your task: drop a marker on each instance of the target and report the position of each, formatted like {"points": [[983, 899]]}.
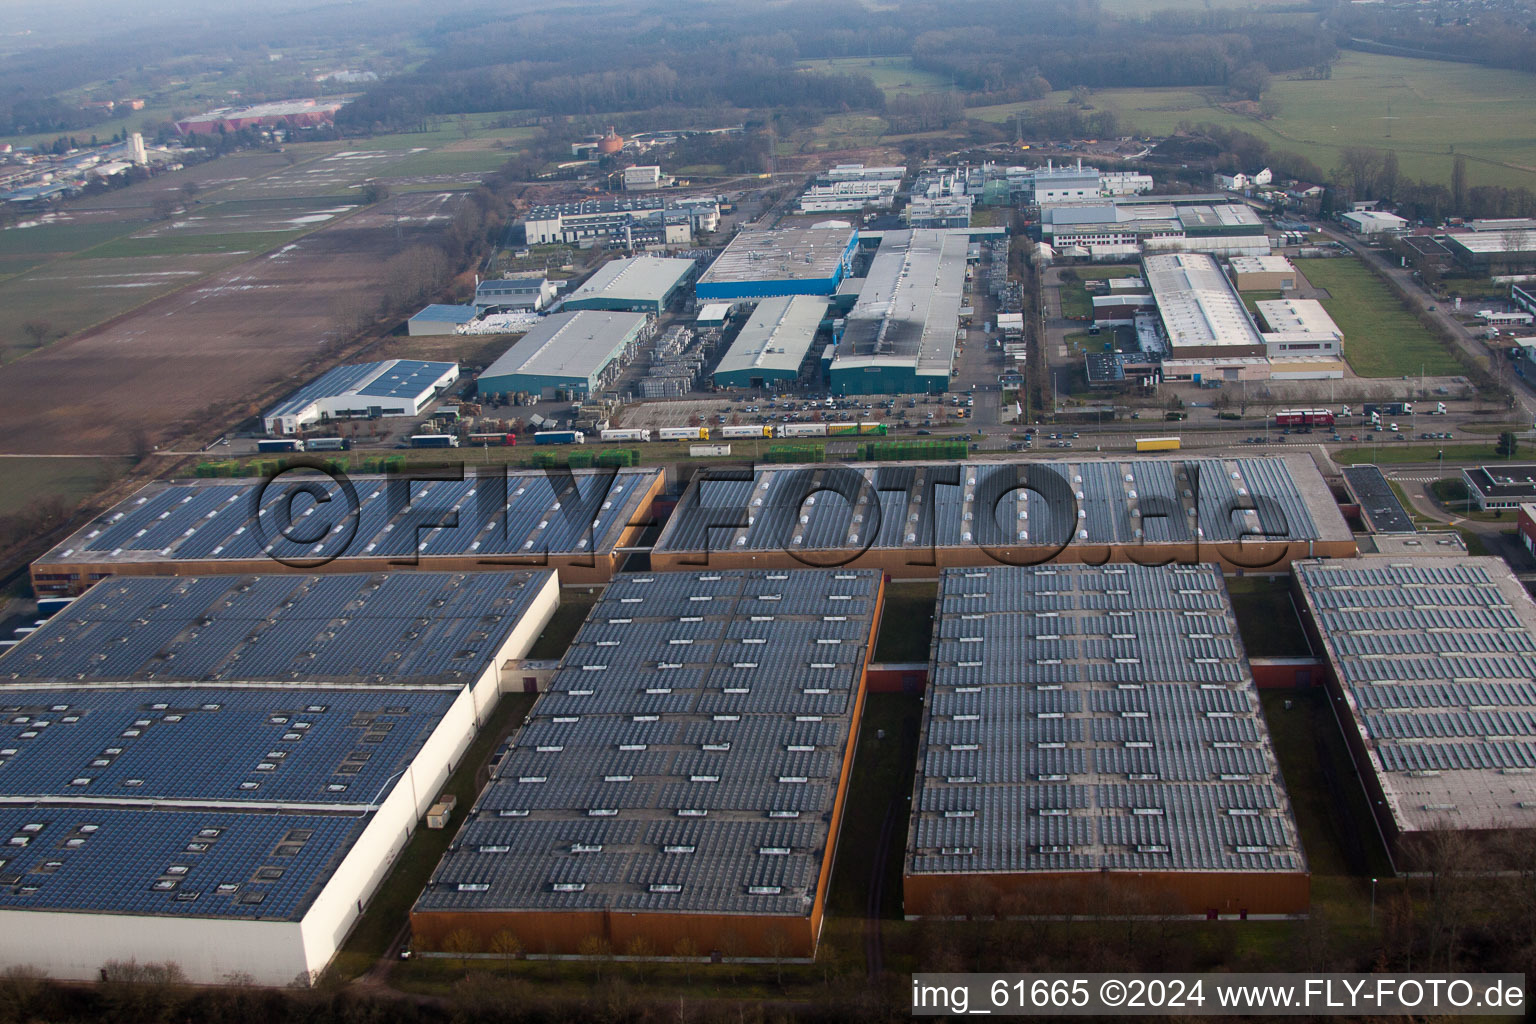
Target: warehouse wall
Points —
{"points": [[76, 946], [1112, 894]]}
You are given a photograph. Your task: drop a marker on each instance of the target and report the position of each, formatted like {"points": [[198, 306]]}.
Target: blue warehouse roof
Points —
{"points": [[389, 378], [418, 627], [172, 862], [277, 745]]}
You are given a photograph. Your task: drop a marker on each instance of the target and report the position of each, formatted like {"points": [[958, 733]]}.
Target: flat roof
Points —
{"points": [[1302, 316], [776, 337], [1494, 241], [638, 278], [920, 505], [782, 254], [1094, 718], [1504, 480], [525, 513], [1378, 502], [1436, 660], [577, 344], [439, 312], [425, 628], [391, 378], [908, 312], [1196, 302], [686, 757], [1271, 264], [589, 207]]}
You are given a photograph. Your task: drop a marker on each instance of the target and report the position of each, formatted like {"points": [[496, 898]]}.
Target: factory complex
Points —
{"points": [[784, 261], [1092, 739], [774, 343], [220, 772], [579, 352], [393, 387]]}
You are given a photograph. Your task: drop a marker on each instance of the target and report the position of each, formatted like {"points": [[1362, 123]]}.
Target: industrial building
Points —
{"points": [[900, 336], [679, 787], [1124, 227], [785, 261], [914, 519], [848, 196], [393, 387], [1273, 273], [1501, 485], [1298, 327], [533, 292], [304, 521], [577, 353], [638, 284], [1430, 662], [1485, 249], [1092, 744], [1200, 314], [950, 212], [220, 773], [592, 222], [1373, 223], [773, 344], [307, 113], [440, 318]]}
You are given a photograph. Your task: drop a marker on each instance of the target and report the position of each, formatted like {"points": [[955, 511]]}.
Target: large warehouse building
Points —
{"points": [[219, 773], [394, 387], [304, 521], [579, 353], [915, 519], [1120, 228], [1430, 662], [680, 785], [900, 336], [786, 261], [772, 345], [1201, 314], [1092, 743], [638, 284]]}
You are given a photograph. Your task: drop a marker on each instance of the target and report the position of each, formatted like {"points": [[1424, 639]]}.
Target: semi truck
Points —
{"points": [[493, 440], [327, 444], [1157, 444], [434, 441], [559, 437], [279, 444], [855, 428], [802, 430], [683, 434], [1304, 418], [746, 431], [625, 435]]}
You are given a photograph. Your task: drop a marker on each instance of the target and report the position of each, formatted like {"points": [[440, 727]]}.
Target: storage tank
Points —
{"points": [[610, 143]]}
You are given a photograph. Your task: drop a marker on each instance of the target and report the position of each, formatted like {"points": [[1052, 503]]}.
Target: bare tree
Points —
{"points": [[39, 332]]}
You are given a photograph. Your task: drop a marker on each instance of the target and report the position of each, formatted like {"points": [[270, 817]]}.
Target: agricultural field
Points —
{"points": [[224, 342], [1381, 337], [28, 480], [1424, 110]]}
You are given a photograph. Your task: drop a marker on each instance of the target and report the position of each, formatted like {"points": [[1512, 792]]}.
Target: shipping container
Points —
{"points": [[701, 451], [559, 437]]}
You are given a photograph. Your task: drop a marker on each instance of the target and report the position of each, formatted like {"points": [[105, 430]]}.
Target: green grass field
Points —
{"points": [[891, 75], [238, 244], [1435, 107], [70, 480], [1395, 452], [1381, 337]]}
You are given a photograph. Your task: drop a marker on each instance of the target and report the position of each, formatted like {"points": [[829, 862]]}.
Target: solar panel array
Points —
{"points": [[304, 515], [413, 627], [923, 505], [685, 758], [1437, 664], [1085, 718], [186, 863], [1378, 502], [268, 746]]}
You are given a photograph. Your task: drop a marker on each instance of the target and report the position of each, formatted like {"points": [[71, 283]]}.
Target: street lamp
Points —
{"points": [[1373, 903]]}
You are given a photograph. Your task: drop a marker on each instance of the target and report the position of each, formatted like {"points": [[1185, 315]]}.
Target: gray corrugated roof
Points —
{"points": [[569, 345], [1086, 718], [693, 738]]}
